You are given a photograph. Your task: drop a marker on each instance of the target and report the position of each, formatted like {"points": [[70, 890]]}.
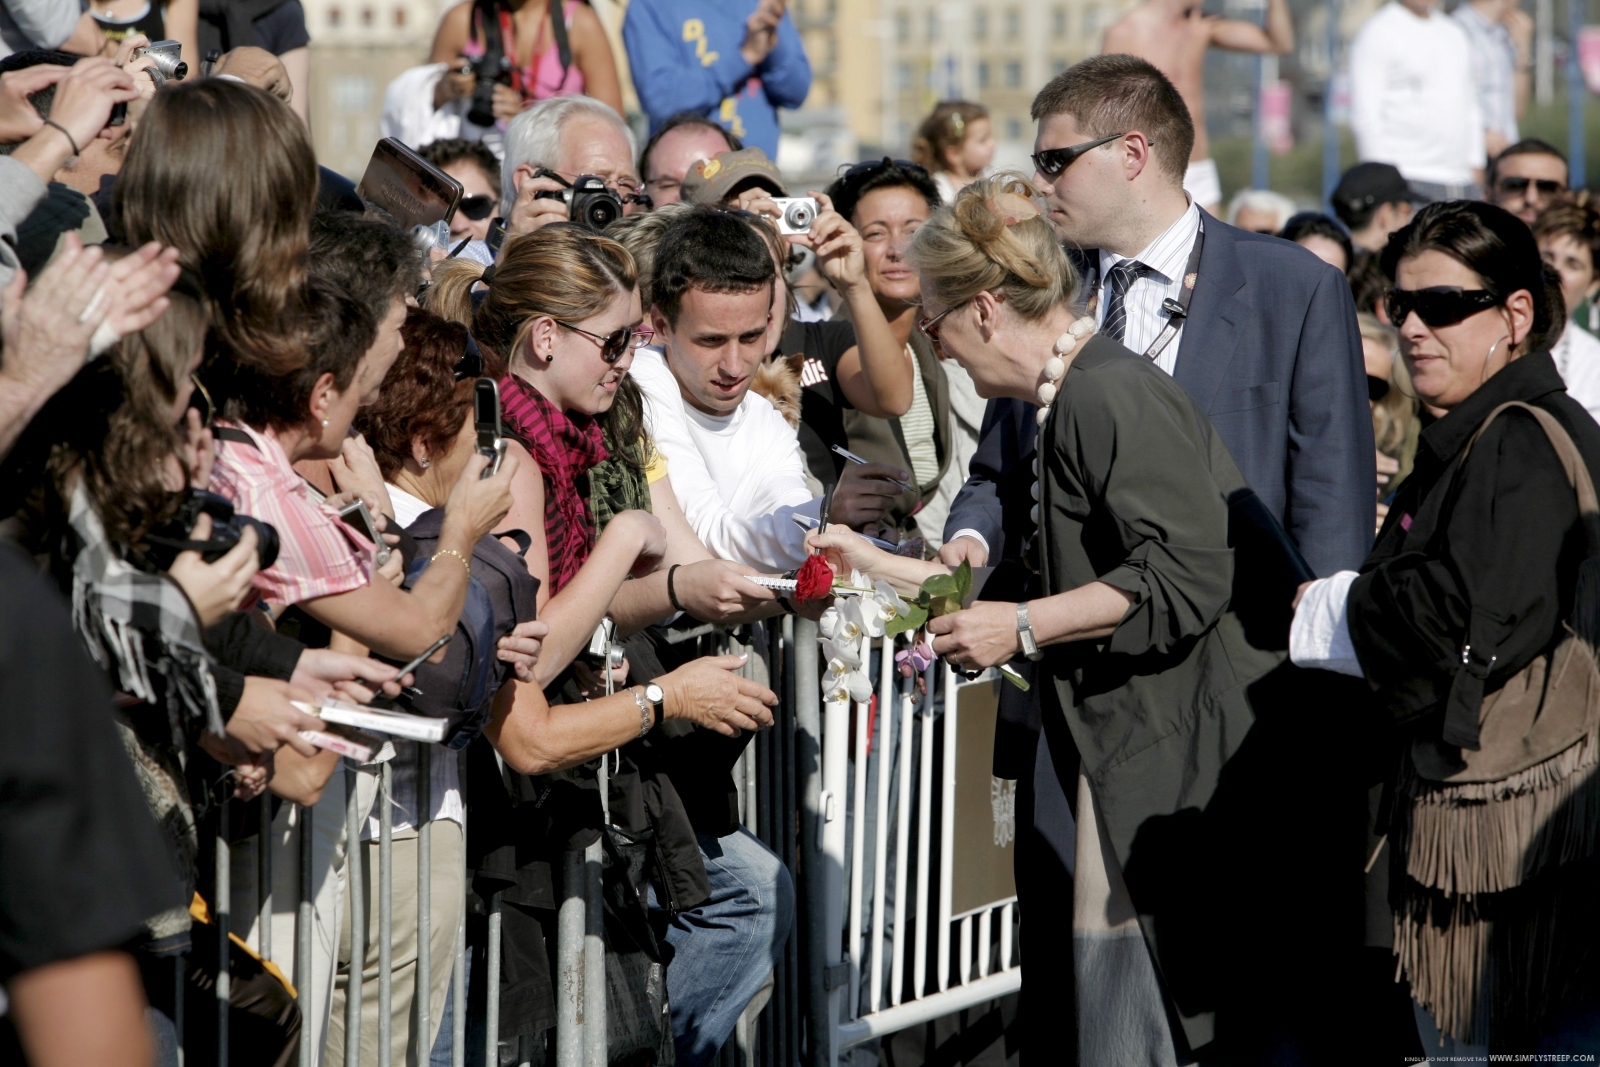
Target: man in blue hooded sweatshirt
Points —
{"points": [[734, 61]]}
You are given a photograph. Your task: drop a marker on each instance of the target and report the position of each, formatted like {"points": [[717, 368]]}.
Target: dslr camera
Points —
{"points": [[166, 62], [795, 213], [490, 69], [589, 202], [227, 527]]}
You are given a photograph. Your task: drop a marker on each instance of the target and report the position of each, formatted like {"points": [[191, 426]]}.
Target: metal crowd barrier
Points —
{"points": [[906, 911]]}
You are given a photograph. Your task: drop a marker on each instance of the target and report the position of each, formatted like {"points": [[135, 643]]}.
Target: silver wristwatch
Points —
{"points": [[651, 699], [1030, 647]]}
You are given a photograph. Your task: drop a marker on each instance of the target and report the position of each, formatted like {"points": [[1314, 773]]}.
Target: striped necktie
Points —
{"points": [[1119, 280]]}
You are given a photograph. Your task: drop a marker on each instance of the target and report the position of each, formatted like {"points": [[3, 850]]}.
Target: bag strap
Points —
{"points": [[1464, 703], [1572, 463], [234, 434], [558, 30]]}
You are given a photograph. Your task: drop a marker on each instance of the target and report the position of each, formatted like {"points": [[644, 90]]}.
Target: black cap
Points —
{"points": [[1366, 185]]}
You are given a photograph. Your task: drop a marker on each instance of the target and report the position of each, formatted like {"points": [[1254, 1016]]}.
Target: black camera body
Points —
{"points": [[589, 202], [227, 527], [490, 69]]}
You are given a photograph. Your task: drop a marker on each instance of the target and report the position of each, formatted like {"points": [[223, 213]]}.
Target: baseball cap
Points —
{"points": [[711, 181], [1366, 185]]}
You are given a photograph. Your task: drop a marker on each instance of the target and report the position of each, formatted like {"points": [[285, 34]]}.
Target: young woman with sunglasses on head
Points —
{"points": [[1474, 577]]}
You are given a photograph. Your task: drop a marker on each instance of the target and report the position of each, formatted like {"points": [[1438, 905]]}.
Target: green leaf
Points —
{"points": [[941, 585], [899, 625], [963, 577], [1014, 678], [943, 605]]}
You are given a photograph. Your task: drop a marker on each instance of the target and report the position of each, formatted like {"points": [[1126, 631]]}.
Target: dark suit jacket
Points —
{"points": [[1272, 354]]}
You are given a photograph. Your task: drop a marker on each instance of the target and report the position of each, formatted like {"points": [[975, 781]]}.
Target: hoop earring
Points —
{"points": [[1490, 356]]}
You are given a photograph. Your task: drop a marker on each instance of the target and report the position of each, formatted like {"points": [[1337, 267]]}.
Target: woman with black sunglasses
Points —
{"points": [[1474, 578]]}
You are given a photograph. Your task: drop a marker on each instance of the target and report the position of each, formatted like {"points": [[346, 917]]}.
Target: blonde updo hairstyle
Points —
{"points": [[994, 239]]}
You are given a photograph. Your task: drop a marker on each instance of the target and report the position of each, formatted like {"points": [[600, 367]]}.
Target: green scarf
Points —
{"points": [[616, 485]]}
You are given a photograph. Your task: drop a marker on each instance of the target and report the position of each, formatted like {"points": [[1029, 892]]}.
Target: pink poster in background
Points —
{"points": [[1589, 56], [1275, 128]]}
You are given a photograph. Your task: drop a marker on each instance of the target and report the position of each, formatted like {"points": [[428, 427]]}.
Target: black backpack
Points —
{"points": [[500, 594]]}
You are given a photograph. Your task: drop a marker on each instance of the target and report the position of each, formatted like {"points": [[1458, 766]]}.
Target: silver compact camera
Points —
{"points": [[168, 64], [795, 213]]}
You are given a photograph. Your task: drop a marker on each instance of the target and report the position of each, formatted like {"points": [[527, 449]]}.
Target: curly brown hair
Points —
{"points": [[420, 396]]}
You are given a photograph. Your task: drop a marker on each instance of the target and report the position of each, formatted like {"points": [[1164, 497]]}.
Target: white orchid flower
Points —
{"points": [[839, 683], [829, 622], [863, 617], [845, 653], [886, 600]]}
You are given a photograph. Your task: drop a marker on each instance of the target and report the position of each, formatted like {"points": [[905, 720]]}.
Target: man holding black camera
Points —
{"points": [[553, 144]]}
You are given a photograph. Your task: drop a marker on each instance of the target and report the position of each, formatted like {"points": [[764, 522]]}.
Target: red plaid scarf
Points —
{"points": [[565, 446]]}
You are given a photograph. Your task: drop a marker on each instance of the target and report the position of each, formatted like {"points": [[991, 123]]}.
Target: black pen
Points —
{"points": [[414, 664]]}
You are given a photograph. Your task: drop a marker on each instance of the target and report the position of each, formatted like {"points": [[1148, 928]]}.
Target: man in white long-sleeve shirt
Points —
{"points": [[1414, 101], [736, 464]]}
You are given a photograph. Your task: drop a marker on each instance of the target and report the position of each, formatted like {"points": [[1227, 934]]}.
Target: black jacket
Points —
{"points": [[1487, 557]]}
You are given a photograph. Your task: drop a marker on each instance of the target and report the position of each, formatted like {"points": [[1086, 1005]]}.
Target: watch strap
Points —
{"points": [[1030, 647]]}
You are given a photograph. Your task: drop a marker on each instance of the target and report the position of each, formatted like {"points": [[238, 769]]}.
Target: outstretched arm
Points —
{"points": [[1276, 37]]}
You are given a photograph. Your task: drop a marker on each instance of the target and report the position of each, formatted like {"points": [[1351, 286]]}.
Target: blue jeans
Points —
{"points": [[724, 949]]}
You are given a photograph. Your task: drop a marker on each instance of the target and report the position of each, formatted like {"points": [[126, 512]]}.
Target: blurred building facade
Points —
{"points": [[996, 52], [359, 46], [878, 67]]}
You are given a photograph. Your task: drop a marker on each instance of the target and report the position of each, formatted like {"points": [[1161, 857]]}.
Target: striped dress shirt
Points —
{"points": [[318, 554], [1494, 57], [1166, 256]]}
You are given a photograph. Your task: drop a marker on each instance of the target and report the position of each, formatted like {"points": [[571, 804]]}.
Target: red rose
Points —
{"points": [[814, 579]]}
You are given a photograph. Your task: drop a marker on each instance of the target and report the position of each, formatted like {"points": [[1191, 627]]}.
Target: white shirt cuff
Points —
{"points": [[974, 534], [1320, 634]]}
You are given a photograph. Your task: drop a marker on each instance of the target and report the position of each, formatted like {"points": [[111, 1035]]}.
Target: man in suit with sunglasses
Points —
{"points": [[1264, 337], [1268, 343]]}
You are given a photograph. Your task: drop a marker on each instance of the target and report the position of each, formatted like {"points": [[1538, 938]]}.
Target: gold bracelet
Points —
{"points": [[452, 552]]}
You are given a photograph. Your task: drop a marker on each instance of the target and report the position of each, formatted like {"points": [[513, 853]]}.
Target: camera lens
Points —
{"points": [[266, 540], [798, 216], [600, 213]]}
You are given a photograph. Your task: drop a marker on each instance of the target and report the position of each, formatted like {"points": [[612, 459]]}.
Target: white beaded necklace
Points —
{"points": [[1055, 368]]}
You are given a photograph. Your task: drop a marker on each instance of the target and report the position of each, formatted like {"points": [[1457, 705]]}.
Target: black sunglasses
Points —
{"points": [[618, 341], [477, 208], [1052, 161], [1546, 186], [470, 365], [1439, 305]]}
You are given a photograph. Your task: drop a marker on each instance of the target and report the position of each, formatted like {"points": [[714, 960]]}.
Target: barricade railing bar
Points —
{"points": [[872, 806]]}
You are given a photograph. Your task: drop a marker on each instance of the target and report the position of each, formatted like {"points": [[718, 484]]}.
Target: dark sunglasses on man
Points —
{"points": [[477, 208], [1519, 186], [1052, 161], [1436, 306]]}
